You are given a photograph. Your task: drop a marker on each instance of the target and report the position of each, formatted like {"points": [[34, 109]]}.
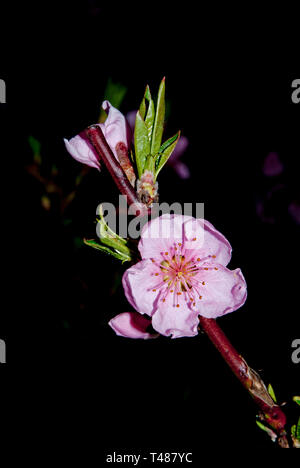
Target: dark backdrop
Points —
{"points": [[229, 88]]}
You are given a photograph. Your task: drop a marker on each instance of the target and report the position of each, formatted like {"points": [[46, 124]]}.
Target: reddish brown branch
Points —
{"points": [[97, 139], [270, 412]]}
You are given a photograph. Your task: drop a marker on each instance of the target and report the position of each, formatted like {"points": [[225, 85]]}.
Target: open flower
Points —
{"points": [[116, 132], [182, 275]]}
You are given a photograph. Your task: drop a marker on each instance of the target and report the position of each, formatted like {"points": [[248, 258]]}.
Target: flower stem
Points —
{"points": [[97, 139], [270, 412]]}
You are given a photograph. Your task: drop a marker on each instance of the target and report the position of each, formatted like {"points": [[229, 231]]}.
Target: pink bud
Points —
{"points": [[116, 131]]}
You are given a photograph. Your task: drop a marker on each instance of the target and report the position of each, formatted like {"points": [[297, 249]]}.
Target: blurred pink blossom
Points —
{"points": [[272, 165], [182, 275]]}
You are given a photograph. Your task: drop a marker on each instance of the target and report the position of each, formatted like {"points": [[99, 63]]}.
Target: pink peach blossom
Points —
{"points": [[182, 275], [116, 131]]}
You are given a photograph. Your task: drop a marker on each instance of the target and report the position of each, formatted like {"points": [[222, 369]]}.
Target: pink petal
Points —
{"points": [[180, 321], [132, 325], [158, 236], [115, 128], [81, 149], [224, 290], [201, 235], [138, 283]]}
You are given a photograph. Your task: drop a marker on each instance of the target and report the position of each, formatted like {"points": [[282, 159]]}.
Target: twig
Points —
{"points": [[270, 412], [97, 139]]}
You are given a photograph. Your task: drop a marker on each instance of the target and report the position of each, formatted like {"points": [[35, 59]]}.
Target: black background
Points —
{"points": [[229, 86]]}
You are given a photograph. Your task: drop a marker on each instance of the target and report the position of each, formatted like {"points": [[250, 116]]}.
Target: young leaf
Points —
{"points": [[35, 146], [271, 393], [297, 400], [267, 430], [108, 237], [142, 108], [141, 143], [159, 119], [295, 431], [150, 164], [150, 113], [165, 152], [114, 243], [105, 230], [107, 250]]}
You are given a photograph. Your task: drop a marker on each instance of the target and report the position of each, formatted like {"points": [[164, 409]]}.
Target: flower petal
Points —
{"points": [[176, 321], [115, 128], [201, 235], [132, 325], [224, 290], [159, 235], [81, 149], [138, 283]]}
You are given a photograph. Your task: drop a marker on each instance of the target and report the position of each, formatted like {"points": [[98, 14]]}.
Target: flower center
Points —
{"points": [[179, 276]]}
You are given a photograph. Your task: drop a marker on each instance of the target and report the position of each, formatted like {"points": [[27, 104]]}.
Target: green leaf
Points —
{"points": [[165, 152], [115, 244], [159, 119], [142, 108], [110, 238], [149, 120], [297, 400], [261, 425], [35, 146], [272, 393], [267, 430], [293, 430], [167, 143], [106, 231], [107, 250], [141, 143]]}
